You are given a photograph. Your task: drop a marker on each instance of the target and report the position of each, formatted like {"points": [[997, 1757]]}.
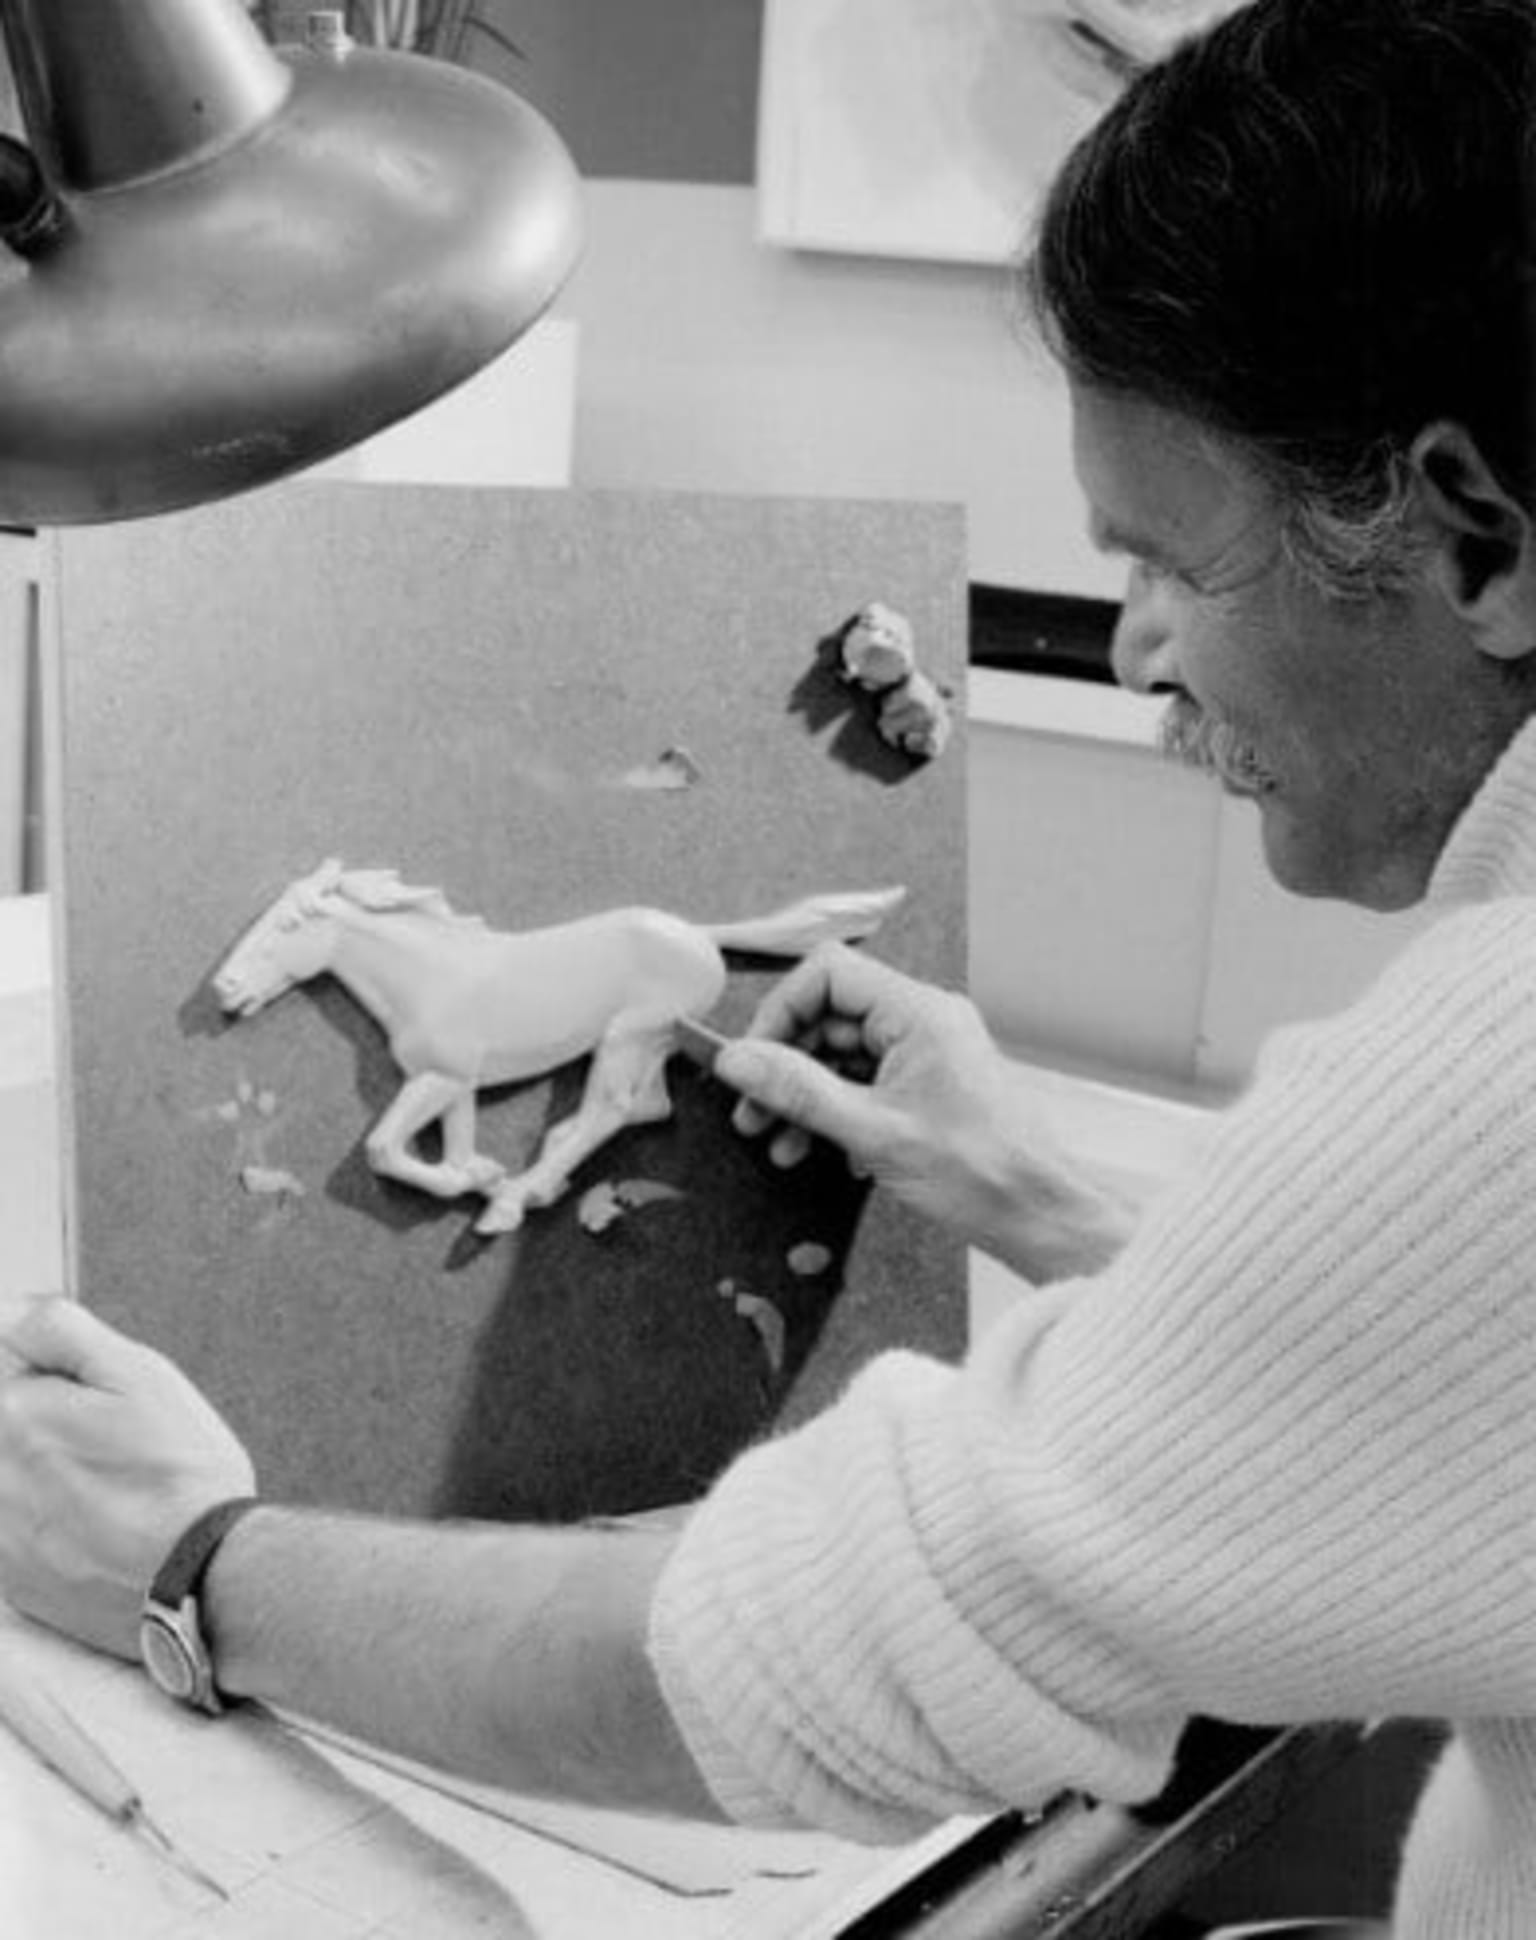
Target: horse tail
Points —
{"points": [[797, 928]]}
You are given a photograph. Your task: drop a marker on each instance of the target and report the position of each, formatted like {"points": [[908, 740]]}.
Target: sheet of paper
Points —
{"points": [[684, 1858]]}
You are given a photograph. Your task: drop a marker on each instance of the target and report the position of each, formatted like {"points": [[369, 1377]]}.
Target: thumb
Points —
{"points": [[51, 1334], [785, 1083]]}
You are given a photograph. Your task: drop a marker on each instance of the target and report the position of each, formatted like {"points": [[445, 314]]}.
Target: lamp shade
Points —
{"points": [[232, 260]]}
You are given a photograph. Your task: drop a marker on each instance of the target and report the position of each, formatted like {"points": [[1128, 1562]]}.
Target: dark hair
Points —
{"points": [[1311, 227]]}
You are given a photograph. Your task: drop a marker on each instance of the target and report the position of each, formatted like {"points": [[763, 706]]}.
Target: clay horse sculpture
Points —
{"points": [[465, 1006]]}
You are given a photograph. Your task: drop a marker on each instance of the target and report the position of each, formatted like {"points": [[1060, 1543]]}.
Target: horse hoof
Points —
{"points": [[499, 1219], [482, 1175]]}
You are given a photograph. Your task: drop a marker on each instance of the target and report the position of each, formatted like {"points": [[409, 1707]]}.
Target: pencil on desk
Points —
{"points": [[55, 1737]]}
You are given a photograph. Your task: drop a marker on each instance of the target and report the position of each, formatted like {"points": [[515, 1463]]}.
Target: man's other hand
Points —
{"points": [[107, 1452]]}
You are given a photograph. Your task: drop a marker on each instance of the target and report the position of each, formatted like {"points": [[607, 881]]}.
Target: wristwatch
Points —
{"points": [[171, 1637]]}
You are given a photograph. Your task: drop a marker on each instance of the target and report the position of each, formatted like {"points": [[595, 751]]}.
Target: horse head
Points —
{"points": [[290, 942]]}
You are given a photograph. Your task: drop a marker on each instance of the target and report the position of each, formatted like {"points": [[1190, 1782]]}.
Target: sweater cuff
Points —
{"points": [[704, 1678], [859, 1655]]}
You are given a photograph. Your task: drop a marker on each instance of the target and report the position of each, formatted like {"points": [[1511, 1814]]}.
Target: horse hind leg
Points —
{"points": [[421, 1099], [627, 1085]]}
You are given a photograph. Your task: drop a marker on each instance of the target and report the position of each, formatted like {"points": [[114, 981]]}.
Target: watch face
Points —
{"points": [[166, 1658]]}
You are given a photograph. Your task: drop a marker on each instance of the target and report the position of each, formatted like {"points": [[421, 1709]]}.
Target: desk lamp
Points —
{"points": [[225, 261]]}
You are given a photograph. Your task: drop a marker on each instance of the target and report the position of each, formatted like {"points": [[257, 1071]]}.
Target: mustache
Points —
{"points": [[1194, 739]]}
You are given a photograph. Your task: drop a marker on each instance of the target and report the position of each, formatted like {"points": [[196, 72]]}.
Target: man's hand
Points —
{"points": [[107, 1452], [934, 1113], [934, 1120]]}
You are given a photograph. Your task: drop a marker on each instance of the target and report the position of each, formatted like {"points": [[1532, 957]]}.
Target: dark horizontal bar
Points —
{"points": [[1041, 633]]}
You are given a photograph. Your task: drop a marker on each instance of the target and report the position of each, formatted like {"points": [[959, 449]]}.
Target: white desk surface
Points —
{"points": [[312, 1843]]}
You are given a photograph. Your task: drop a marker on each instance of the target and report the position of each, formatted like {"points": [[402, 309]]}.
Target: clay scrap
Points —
{"points": [[271, 1182], [879, 657], [761, 1314], [673, 769], [606, 1203]]}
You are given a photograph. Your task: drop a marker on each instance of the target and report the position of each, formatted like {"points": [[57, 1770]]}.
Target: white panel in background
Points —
{"points": [[919, 128], [1276, 958], [510, 424], [1092, 867]]}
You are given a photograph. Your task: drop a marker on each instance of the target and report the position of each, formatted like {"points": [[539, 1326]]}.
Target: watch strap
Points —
{"points": [[181, 1574]]}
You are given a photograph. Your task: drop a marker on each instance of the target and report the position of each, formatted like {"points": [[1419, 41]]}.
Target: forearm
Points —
{"points": [[514, 1656], [1033, 1202], [1048, 1216]]}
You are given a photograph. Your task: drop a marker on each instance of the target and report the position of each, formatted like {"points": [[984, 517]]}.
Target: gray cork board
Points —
{"points": [[466, 686]]}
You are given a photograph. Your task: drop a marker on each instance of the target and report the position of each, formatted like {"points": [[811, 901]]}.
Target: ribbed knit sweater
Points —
{"points": [[1276, 1464]]}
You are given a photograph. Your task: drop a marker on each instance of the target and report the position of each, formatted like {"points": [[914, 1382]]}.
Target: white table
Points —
{"points": [[312, 1843]]}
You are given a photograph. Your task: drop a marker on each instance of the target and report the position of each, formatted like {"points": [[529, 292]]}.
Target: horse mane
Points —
{"points": [[381, 891]]}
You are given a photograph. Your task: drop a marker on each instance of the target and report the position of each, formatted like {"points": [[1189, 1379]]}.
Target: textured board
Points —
{"points": [[465, 685]]}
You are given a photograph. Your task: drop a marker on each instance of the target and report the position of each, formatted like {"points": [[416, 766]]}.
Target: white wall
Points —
{"points": [[709, 361]]}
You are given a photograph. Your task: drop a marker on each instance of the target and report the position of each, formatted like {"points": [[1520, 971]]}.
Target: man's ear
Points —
{"points": [[1484, 541]]}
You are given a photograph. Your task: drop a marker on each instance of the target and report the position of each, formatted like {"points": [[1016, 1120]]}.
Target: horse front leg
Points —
{"points": [[427, 1096], [627, 1085], [481, 1171]]}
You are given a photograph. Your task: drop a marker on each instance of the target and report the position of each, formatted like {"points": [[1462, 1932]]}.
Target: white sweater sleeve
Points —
{"points": [[1277, 1463]]}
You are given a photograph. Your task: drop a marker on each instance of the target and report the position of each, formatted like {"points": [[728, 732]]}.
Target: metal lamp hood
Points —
{"points": [[228, 261]]}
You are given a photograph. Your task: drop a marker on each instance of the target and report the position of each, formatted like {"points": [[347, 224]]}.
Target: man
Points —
{"points": [[1268, 1453]]}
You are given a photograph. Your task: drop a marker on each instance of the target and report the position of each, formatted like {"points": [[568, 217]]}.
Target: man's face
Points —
{"points": [[1359, 729]]}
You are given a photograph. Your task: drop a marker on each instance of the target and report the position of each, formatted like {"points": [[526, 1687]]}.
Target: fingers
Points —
{"points": [[782, 1083], [788, 1147], [794, 1006], [834, 986], [828, 1007], [50, 1334]]}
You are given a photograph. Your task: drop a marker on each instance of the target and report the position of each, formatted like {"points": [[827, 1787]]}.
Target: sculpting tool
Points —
{"points": [[700, 1042], [42, 1724]]}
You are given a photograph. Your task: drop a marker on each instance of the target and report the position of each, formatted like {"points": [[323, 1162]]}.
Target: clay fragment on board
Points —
{"points": [[675, 768], [271, 1182], [915, 717], [769, 1322], [878, 656], [604, 1204], [878, 651], [808, 1259]]}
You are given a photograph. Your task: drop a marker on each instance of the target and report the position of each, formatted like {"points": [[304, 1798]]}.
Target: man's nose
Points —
{"points": [[1144, 647]]}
